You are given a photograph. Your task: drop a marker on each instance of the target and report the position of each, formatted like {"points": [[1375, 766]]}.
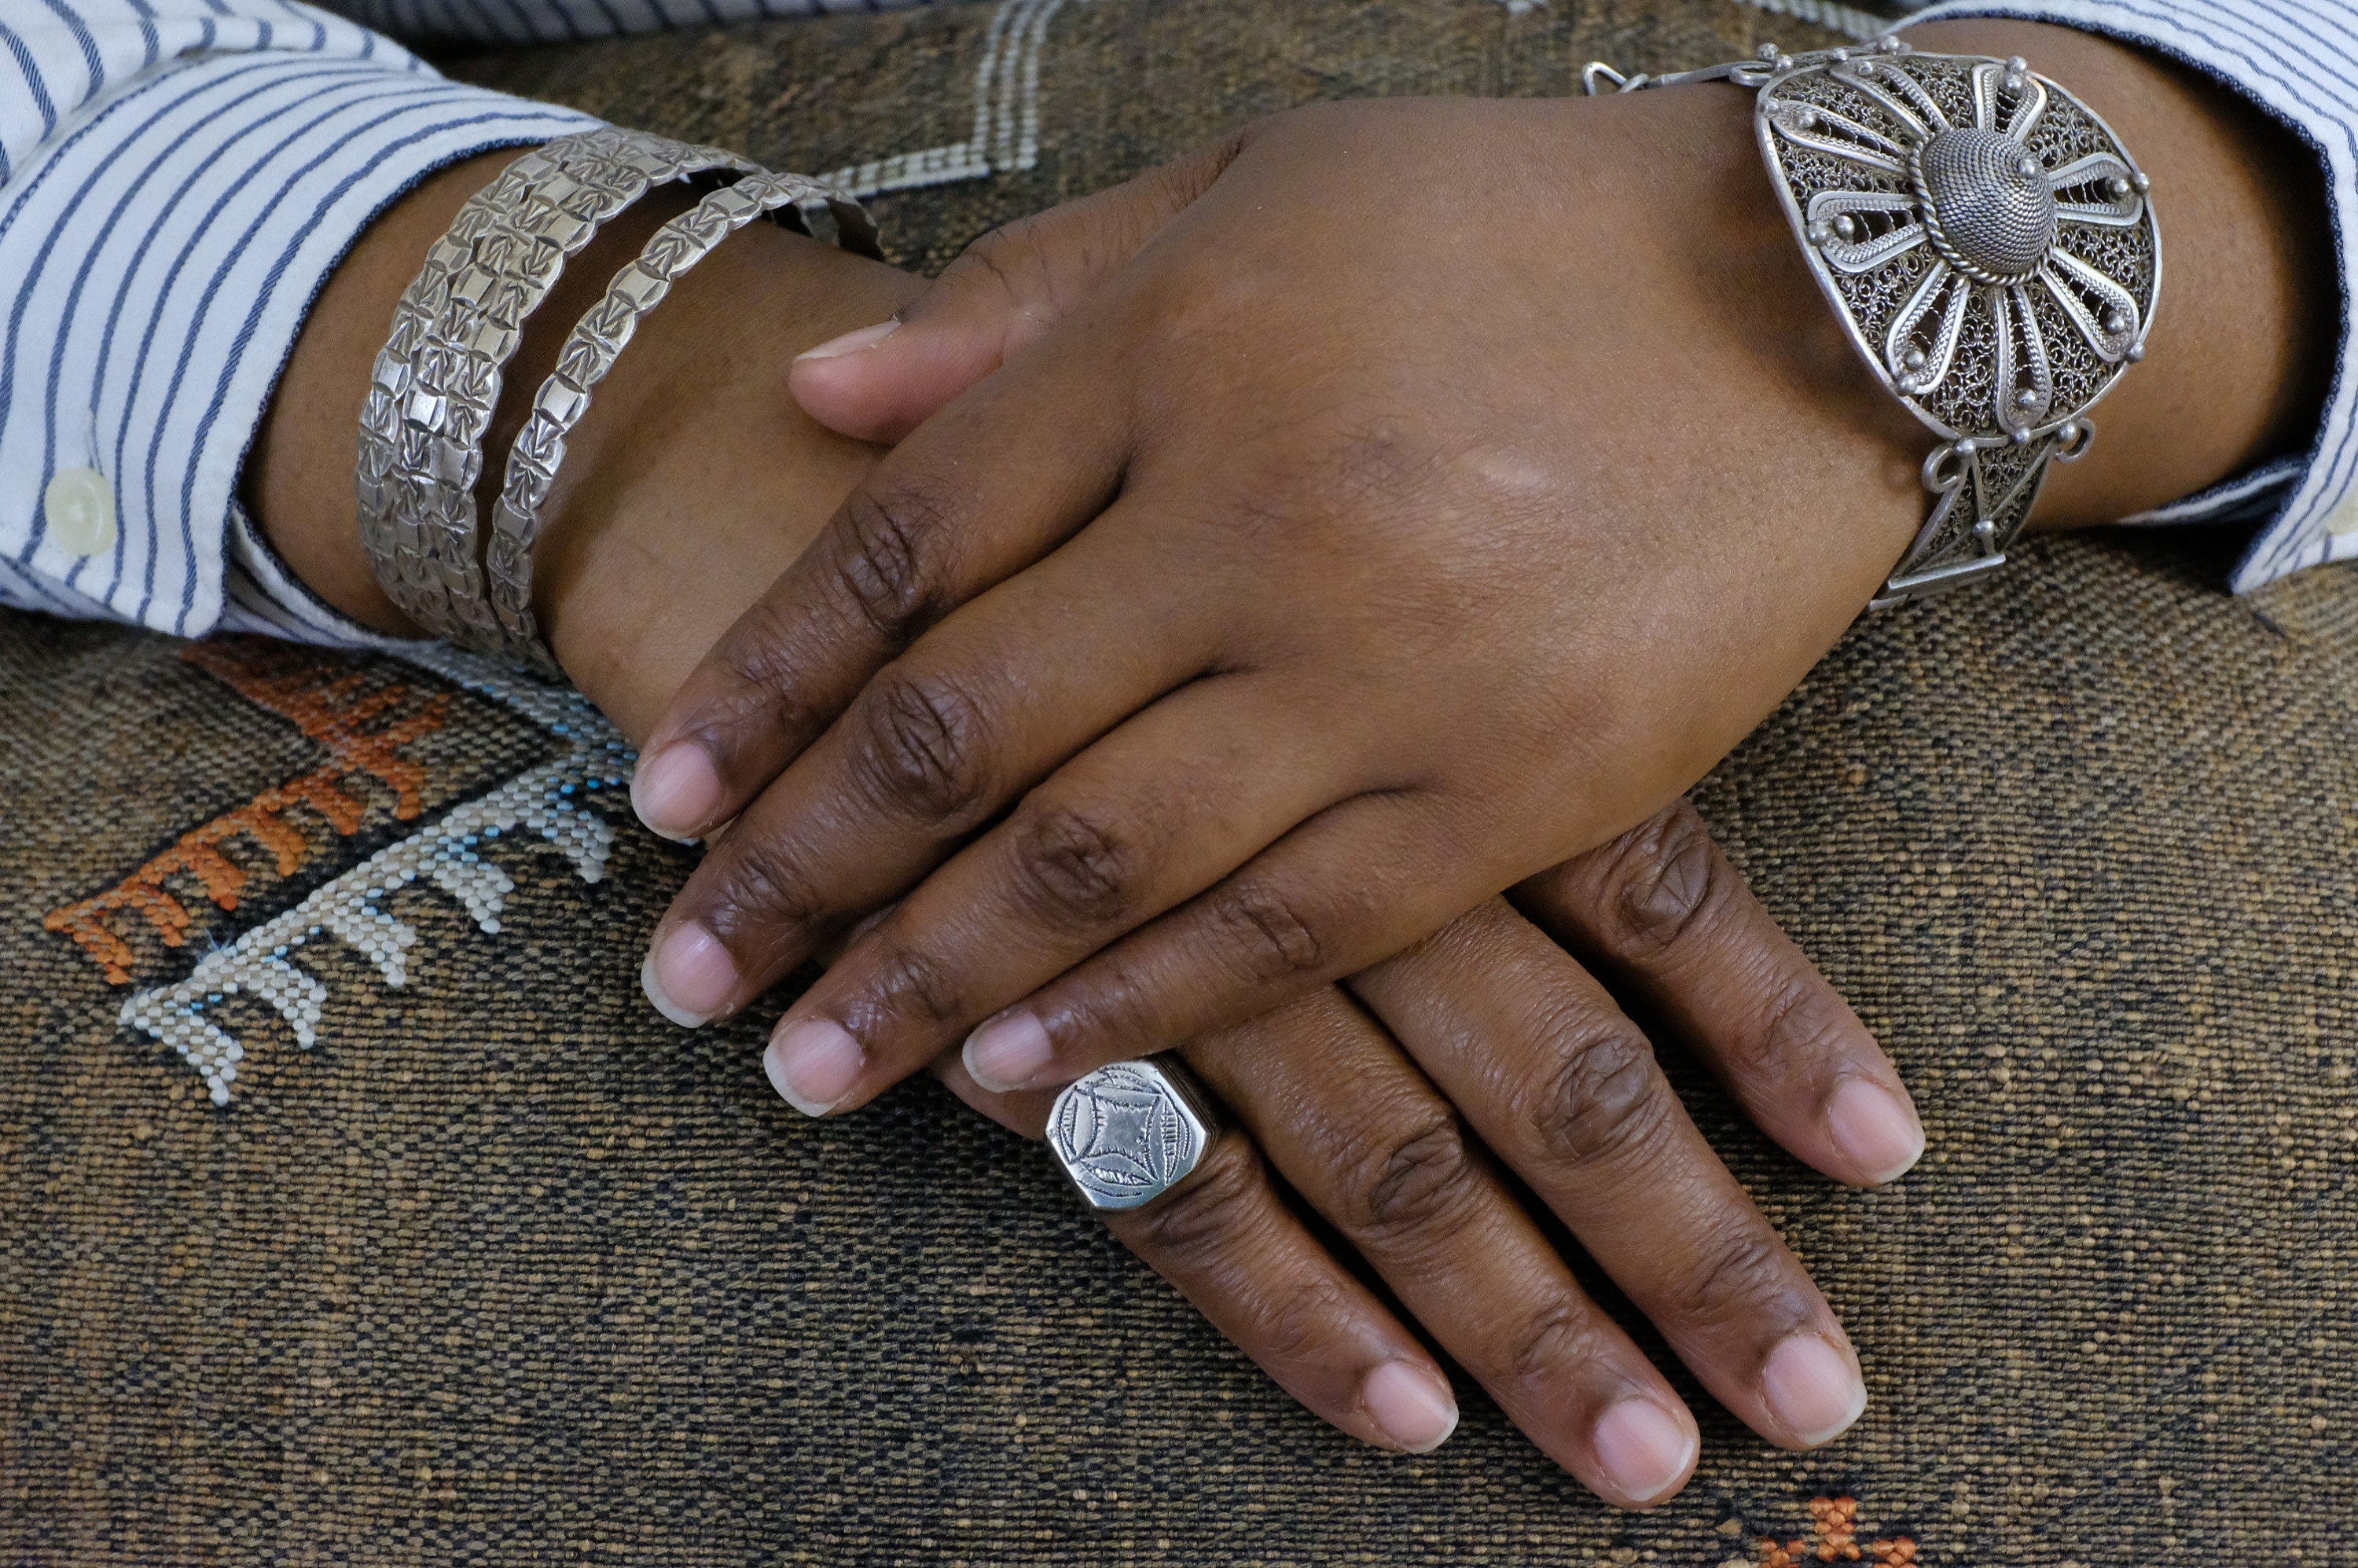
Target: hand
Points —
{"points": [[1401, 498], [1389, 1103], [632, 597], [1551, 1076]]}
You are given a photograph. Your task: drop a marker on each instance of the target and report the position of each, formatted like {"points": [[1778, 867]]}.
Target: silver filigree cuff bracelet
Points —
{"points": [[1986, 242]]}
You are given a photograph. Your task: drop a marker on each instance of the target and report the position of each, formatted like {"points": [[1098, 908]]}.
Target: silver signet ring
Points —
{"points": [[1130, 1132]]}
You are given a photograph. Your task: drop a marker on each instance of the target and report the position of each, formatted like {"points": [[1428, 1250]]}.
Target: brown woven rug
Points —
{"points": [[502, 1269]]}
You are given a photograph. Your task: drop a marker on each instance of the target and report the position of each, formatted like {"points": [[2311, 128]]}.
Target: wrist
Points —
{"points": [[1767, 351], [694, 478], [299, 479], [2235, 364]]}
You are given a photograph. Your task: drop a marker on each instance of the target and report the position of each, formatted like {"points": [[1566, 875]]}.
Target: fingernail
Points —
{"points": [[688, 975], [1008, 1052], [852, 342], [1413, 1408], [676, 791], [1874, 1130], [1643, 1449], [1812, 1389], [813, 1065]]}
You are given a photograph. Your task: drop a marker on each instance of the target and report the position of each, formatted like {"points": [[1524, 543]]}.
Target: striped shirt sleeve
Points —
{"points": [[557, 21], [2298, 60]]}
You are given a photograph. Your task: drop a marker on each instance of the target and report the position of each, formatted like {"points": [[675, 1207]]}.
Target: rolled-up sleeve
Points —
{"points": [[2298, 60], [177, 180]]}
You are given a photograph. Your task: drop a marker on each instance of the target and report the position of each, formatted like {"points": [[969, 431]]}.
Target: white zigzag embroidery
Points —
{"points": [[1006, 135], [548, 799], [1006, 114]]}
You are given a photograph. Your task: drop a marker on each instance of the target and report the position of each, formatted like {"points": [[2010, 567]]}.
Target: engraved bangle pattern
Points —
{"points": [[1987, 243], [435, 383], [589, 353]]}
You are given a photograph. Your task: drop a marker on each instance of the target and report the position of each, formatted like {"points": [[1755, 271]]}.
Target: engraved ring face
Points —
{"points": [[1127, 1134]]}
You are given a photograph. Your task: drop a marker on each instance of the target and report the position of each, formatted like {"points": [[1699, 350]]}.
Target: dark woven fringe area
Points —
{"points": [[506, 1270]]}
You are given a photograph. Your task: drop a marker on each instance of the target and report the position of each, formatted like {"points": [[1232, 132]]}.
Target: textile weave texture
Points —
{"points": [[504, 1268]]}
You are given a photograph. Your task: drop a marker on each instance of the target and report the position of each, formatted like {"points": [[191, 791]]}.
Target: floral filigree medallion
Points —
{"points": [[1985, 240], [1987, 243]]}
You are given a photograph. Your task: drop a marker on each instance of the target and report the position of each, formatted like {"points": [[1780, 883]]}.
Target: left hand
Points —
{"points": [[1415, 1105]]}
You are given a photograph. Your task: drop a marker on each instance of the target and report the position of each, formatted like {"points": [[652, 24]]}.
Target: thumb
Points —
{"points": [[1010, 286]]}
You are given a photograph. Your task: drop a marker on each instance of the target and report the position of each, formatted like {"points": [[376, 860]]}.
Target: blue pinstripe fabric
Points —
{"points": [[178, 179]]}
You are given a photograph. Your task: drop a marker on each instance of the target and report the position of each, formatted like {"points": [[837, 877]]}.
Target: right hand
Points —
{"points": [[1390, 1103]]}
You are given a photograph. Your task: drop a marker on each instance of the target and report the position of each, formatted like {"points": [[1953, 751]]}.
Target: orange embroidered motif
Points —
{"points": [[1834, 1538], [335, 708], [559, 803]]}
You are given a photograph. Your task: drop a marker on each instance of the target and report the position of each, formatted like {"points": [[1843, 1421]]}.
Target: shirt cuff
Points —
{"points": [[2299, 63], [161, 250]]}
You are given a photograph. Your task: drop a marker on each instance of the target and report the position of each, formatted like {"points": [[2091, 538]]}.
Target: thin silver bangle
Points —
{"points": [[435, 385], [596, 342]]}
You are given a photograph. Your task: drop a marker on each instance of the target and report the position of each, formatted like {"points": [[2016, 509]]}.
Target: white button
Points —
{"points": [[2343, 521], [80, 509]]}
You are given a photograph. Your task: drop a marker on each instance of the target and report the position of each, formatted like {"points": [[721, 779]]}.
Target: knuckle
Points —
{"points": [[1299, 1322], [1006, 259], [1604, 1099], [1662, 879], [1795, 1034], [1558, 1335], [1077, 864], [926, 742], [763, 882], [909, 988], [1197, 1224], [892, 531], [763, 658], [1420, 1183], [1745, 1277], [1271, 939]]}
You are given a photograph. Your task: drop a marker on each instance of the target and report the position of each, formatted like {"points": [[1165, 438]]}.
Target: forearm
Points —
{"points": [[179, 180]]}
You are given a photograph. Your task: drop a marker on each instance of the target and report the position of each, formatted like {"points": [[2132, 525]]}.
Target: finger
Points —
{"points": [[941, 742], [1565, 1089], [1363, 1138], [1025, 1113], [879, 382], [1227, 1241], [996, 480], [1138, 823], [1359, 881], [1662, 910]]}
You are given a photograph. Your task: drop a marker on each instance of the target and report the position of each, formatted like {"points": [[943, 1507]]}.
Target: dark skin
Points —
{"points": [[1392, 1100], [1290, 587], [1331, 1094]]}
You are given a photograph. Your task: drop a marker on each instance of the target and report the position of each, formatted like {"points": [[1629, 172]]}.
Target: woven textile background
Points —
{"points": [[503, 1269]]}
